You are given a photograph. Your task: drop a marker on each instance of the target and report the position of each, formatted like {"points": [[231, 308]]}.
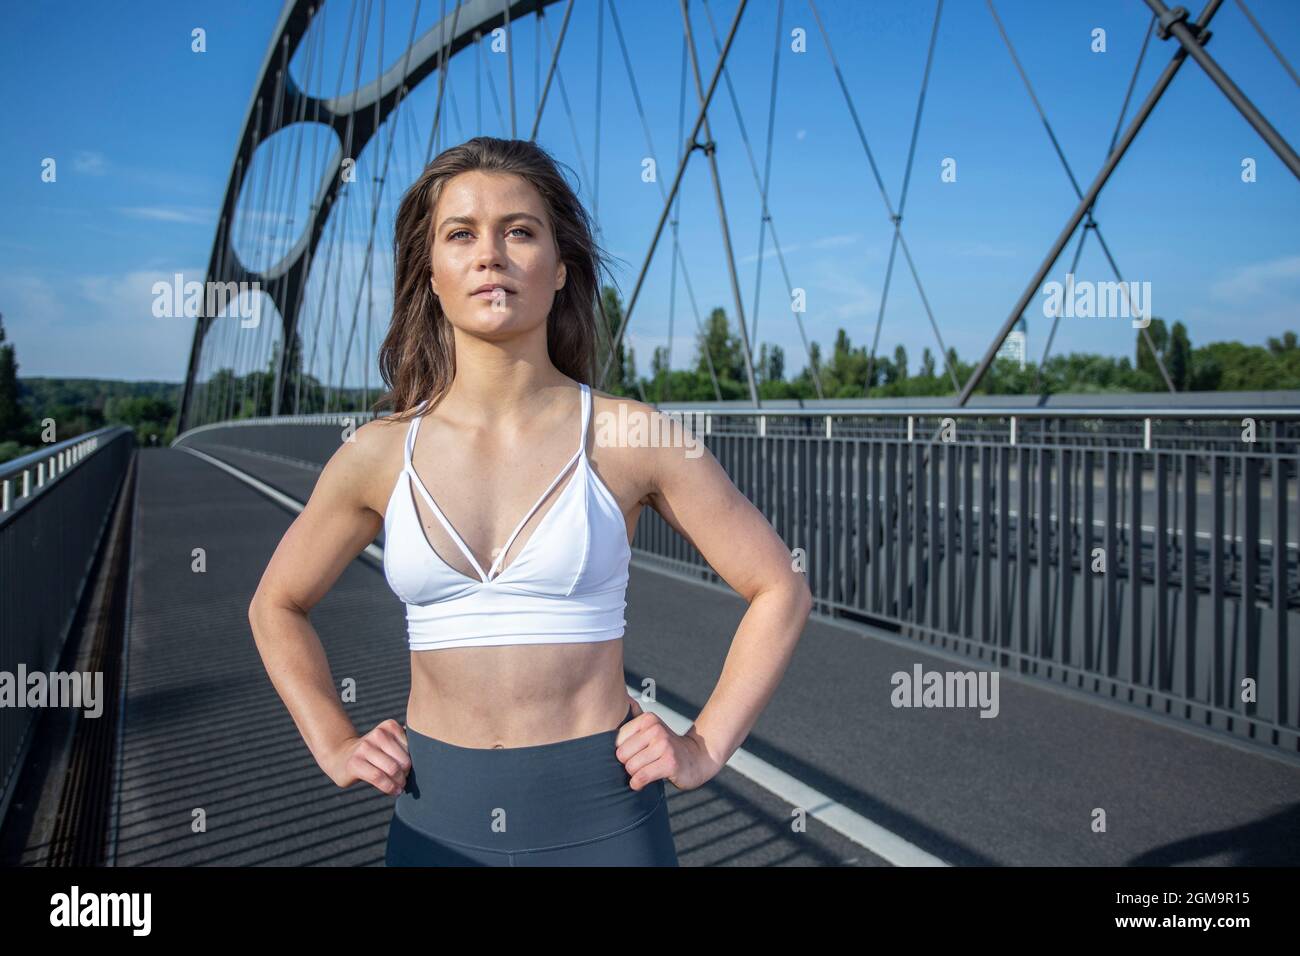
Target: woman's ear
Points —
{"points": [[560, 275], [433, 284]]}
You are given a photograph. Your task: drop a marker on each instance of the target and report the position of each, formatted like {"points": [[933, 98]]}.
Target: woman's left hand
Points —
{"points": [[650, 751]]}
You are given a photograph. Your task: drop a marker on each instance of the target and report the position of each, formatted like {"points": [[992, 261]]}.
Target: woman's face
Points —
{"points": [[494, 230]]}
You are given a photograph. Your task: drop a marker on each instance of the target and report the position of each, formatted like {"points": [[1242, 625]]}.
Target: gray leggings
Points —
{"points": [[561, 804]]}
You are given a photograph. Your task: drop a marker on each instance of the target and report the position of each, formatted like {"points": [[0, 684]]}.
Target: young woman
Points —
{"points": [[521, 746]]}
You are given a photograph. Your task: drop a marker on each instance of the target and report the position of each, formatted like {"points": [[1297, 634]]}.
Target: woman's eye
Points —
{"points": [[515, 229]]}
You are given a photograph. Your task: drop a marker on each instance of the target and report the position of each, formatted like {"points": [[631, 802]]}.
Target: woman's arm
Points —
{"points": [[694, 494], [333, 528]]}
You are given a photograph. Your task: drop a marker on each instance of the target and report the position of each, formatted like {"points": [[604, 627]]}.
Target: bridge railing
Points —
{"points": [[54, 506], [1148, 555]]}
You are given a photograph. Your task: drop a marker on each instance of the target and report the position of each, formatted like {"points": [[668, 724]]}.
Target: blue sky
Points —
{"points": [[143, 131]]}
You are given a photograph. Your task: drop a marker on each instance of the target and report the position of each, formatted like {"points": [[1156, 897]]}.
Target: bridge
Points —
{"points": [[1109, 582]]}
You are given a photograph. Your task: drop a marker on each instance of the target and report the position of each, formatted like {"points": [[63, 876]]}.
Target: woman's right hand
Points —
{"points": [[380, 758]]}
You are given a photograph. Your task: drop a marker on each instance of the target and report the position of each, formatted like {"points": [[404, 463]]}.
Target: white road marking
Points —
{"points": [[866, 833]]}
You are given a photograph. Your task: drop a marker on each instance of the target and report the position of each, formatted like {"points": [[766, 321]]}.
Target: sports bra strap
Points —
{"points": [[586, 416], [409, 444]]}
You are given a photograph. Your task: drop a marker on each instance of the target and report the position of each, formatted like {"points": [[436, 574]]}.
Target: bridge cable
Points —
{"points": [[338, 215], [1276, 51], [676, 216], [568, 108], [444, 51], [761, 184], [1088, 219], [313, 49], [377, 192], [677, 253], [492, 88], [678, 258], [555, 59], [709, 146], [351, 120], [510, 67], [1083, 234], [600, 73], [902, 201], [256, 348], [294, 298], [338, 218], [347, 154], [677, 181], [884, 195]]}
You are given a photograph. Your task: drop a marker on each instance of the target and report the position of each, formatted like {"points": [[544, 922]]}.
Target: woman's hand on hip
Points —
{"points": [[649, 750], [381, 758]]}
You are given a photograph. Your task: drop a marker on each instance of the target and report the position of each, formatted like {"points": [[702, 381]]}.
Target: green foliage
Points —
{"points": [[80, 405], [622, 378], [13, 417], [1227, 366], [36, 411]]}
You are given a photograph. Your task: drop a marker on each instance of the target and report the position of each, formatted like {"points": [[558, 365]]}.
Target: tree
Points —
{"points": [[13, 417], [927, 363], [774, 366], [659, 362], [1178, 357], [1283, 345], [722, 347], [900, 363], [770, 364], [622, 374], [1146, 362]]}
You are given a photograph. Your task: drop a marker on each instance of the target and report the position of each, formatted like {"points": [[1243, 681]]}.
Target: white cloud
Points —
{"points": [[1248, 303], [825, 242], [768, 253], [846, 239], [1275, 278], [190, 214], [95, 326]]}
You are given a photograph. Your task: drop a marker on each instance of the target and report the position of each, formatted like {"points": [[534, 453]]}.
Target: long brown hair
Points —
{"points": [[417, 358]]}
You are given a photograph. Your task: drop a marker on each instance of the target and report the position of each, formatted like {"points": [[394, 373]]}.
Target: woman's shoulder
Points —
{"points": [[371, 454], [611, 409], [642, 433]]}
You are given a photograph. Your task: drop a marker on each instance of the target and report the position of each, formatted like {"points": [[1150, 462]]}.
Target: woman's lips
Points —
{"points": [[492, 293]]}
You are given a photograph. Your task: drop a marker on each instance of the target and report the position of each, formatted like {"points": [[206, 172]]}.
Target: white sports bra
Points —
{"points": [[567, 585]]}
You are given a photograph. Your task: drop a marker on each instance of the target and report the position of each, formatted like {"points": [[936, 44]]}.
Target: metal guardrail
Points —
{"points": [[1163, 576], [57, 503], [1146, 553]]}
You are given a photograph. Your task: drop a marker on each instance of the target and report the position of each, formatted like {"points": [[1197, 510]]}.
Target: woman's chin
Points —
{"points": [[488, 321]]}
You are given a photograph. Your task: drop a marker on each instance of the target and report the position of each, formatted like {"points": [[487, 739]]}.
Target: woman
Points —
{"points": [[521, 745]]}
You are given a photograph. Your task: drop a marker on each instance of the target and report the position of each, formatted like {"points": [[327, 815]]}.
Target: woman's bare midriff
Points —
{"points": [[517, 695]]}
